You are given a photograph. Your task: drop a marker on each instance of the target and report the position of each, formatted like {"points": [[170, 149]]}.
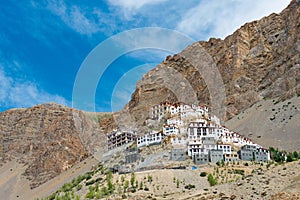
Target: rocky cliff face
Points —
{"points": [[260, 60], [48, 139]]}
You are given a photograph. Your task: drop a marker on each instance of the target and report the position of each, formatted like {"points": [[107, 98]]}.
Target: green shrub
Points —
{"points": [[189, 186], [150, 178], [212, 181], [141, 185], [239, 171], [203, 174], [78, 187], [289, 158], [132, 179], [88, 177]]}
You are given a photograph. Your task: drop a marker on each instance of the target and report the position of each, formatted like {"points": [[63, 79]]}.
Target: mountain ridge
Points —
{"points": [[47, 138], [261, 60], [258, 61]]}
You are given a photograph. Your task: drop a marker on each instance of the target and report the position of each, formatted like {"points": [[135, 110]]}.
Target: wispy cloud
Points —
{"points": [[22, 93], [220, 18], [133, 4], [198, 19], [131, 7], [74, 17]]}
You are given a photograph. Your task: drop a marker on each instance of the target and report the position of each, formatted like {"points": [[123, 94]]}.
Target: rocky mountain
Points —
{"points": [[48, 139], [261, 60]]}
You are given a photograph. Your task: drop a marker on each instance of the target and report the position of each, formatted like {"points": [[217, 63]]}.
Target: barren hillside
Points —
{"points": [[48, 139]]}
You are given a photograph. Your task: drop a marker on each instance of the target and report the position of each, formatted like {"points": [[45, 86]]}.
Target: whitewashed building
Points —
{"points": [[235, 138], [178, 141], [159, 111], [226, 148], [197, 130], [149, 139], [176, 121], [209, 143], [175, 109], [262, 155], [119, 138], [171, 129], [233, 157], [203, 145]]}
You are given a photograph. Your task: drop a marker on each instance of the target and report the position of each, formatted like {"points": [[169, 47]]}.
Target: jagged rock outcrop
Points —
{"points": [[259, 60], [48, 139]]}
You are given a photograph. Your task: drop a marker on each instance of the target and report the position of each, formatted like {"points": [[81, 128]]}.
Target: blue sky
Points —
{"points": [[43, 43]]}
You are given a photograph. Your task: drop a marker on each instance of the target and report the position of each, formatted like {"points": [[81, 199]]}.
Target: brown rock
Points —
{"points": [[259, 60], [48, 138]]}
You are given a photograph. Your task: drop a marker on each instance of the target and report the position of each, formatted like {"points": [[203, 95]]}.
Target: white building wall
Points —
{"points": [[171, 129], [176, 121], [178, 141], [225, 147], [148, 139]]}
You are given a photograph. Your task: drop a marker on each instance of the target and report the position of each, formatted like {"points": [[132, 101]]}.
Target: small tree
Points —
{"points": [[212, 181], [122, 179], [141, 185], [289, 158], [132, 179], [149, 178], [177, 183], [222, 163], [110, 185], [136, 184], [104, 191], [126, 185]]}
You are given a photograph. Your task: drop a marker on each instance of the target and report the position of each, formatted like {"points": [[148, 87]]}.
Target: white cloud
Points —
{"points": [[131, 5], [74, 17], [220, 18], [156, 38], [20, 93]]}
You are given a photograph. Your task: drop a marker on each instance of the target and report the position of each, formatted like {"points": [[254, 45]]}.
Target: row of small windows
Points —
{"points": [[148, 139], [221, 147]]}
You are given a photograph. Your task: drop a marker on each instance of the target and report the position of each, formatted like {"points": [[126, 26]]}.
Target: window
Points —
{"points": [[198, 131]]}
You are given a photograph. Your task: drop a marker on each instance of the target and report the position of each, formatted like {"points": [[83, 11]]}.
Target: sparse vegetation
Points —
{"points": [[189, 186], [212, 181], [203, 174]]}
